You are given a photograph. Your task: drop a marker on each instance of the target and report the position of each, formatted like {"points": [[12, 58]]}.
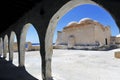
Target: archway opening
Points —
{"points": [[5, 48], [13, 49], [87, 59], [32, 51], [1, 47]]}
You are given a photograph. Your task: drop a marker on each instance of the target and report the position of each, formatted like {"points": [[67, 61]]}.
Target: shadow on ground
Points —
{"points": [[8, 71]]}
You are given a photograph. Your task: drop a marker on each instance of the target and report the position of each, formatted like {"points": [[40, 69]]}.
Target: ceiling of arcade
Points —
{"points": [[13, 10]]}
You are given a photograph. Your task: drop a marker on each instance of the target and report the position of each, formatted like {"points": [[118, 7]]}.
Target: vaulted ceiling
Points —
{"points": [[12, 10]]}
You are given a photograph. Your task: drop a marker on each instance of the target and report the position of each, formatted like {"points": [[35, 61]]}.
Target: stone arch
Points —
{"points": [[5, 46], [1, 47], [52, 25], [22, 44], [11, 45]]}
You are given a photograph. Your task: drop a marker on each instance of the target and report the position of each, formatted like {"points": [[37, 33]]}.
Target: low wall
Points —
{"points": [[60, 47], [34, 48], [117, 54], [74, 47], [28, 48]]}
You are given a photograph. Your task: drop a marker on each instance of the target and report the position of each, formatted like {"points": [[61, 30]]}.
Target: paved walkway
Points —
{"points": [[10, 72]]}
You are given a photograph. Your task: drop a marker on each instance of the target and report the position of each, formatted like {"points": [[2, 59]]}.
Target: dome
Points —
{"points": [[86, 19], [118, 35], [72, 23]]}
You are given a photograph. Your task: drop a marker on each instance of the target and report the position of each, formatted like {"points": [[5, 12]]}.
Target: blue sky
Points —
{"points": [[32, 35], [76, 14]]}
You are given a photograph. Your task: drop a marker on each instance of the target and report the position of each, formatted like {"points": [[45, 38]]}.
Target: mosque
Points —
{"points": [[86, 33]]}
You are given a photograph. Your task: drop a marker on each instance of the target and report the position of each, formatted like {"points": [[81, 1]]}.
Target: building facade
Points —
{"points": [[86, 33]]}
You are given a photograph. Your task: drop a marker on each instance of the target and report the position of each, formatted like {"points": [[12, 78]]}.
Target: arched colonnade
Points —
{"points": [[44, 17]]}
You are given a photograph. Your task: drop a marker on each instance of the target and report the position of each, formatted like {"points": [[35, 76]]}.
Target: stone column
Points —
{"points": [[1, 46], [22, 43], [11, 44], [46, 64], [5, 49]]}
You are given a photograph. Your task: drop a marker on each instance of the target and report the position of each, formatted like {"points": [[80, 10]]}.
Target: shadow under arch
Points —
{"points": [[1, 47], [5, 47], [13, 47], [29, 57], [52, 25]]}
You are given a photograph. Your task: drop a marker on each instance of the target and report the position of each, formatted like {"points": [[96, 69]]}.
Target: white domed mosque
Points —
{"points": [[86, 33]]}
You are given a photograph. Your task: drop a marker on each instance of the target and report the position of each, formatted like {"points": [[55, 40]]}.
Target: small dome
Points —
{"points": [[85, 19], [118, 35], [72, 23]]}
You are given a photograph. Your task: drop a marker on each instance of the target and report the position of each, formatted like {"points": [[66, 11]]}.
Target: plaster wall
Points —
{"points": [[84, 34]]}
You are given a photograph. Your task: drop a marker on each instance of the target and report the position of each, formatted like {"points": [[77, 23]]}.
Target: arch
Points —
{"points": [[52, 25], [11, 45], [1, 47], [5, 46], [32, 53], [27, 58], [22, 43]]}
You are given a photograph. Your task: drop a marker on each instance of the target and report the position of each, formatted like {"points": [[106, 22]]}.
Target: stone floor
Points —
{"points": [[66, 65], [10, 72]]}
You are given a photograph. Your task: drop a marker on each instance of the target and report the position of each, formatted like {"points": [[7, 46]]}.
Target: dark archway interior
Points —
{"points": [[12, 10]]}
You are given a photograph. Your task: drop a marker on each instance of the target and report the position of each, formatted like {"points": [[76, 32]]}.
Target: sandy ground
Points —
{"points": [[75, 65]]}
